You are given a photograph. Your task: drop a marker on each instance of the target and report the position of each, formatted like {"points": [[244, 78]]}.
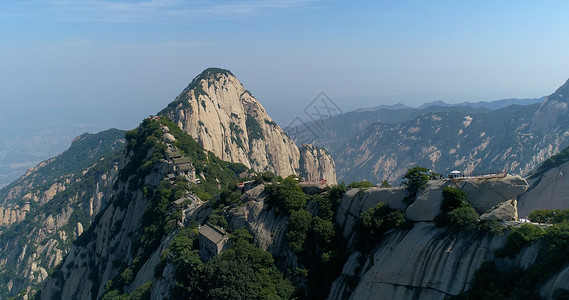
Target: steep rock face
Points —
{"points": [[48, 207], [553, 111], [427, 204], [486, 192], [96, 259], [549, 191], [355, 202], [557, 281], [483, 193], [422, 263], [316, 164], [266, 226], [518, 138], [217, 111]]}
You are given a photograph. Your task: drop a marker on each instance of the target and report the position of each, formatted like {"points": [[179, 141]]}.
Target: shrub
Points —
{"points": [[520, 237], [218, 220], [323, 231], [286, 196], [551, 216], [299, 224], [416, 179], [463, 217], [266, 177], [385, 184], [515, 283], [254, 130], [361, 184], [377, 220], [453, 198], [456, 212]]}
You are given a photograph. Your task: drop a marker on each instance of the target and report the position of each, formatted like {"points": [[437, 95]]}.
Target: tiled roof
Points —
{"points": [[212, 233]]}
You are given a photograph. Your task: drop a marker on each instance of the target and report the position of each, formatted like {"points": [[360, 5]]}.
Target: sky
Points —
{"points": [[123, 60]]}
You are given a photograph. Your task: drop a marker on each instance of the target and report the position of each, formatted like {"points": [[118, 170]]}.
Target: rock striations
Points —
{"points": [[112, 226], [48, 208], [225, 118], [516, 137]]}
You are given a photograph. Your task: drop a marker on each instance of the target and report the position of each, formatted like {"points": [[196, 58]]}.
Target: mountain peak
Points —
{"points": [[225, 118], [213, 72], [563, 91], [434, 103], [210, 75]]}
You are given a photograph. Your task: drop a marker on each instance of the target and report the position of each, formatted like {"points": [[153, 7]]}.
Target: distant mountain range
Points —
{"points": [[496, 104], [121, 215], [481, 137]]}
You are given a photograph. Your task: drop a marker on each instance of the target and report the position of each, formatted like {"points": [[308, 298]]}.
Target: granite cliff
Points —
{"points": [[116, 255], [225, 118], [475, 141], [44, 211]]}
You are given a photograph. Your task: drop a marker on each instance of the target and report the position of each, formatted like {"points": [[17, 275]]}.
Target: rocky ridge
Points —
{"points": [[218, 112], [446, 261], [427, 262], [48, 208], [475, 141]]}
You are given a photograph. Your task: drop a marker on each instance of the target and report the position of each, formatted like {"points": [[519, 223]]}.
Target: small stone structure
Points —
{"points": [[182, 165], [212, 240]]}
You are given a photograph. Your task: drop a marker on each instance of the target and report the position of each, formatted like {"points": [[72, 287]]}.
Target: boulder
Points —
{"points": [[355, 202], [255, 194], [427, 204], [168, 138], [506, 211], [313, 188], [486, 192]]}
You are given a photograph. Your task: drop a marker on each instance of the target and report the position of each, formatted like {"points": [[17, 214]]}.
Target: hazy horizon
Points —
{"points": [[111, 63]]}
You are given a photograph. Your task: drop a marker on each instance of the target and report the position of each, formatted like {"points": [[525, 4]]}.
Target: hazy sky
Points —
{"points": [[134, 57]]}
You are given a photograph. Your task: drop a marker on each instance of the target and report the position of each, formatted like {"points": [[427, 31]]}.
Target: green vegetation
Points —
{"points": [[141, 141], [213, 72], [550, 216], [298, 226], [518, 238], [85, 151], [266, 177], [206, 163], [285, 196], [227, 198], [157, 221], [242, 272], [162, 216], [236, 134], [463, 217], [360, 185], [384, 184], [78, 192], [515, 283], [254, 129], [141, 293], [416, 179], [319, 246], [377, 220], [456, 212], [272, 123]]}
